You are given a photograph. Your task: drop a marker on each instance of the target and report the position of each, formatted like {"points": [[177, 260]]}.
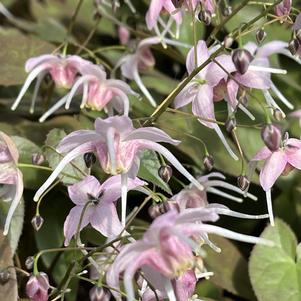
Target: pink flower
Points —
{"points": [[98, 92], [117, 144], [101, 213], [10, 176], [37, 287], [63, 71], [283, 8], [276, 163], [165, 253]]}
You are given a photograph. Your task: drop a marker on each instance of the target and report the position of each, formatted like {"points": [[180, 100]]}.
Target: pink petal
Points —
{"points": [[184, 286], [232, 90], [263, 154], [202, 56], [251, 47], [296, 114], [254, 79], [185, 97], [270, 48], [11, 146], [272, 169], [177, 16], [35, 61], [153, 13]]}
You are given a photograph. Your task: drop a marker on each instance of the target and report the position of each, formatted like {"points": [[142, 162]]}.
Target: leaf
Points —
{"points": [[32, 177], [74, 171], [275, 272], [8, 291], [229, 267], [148, 171], [18, 48]]}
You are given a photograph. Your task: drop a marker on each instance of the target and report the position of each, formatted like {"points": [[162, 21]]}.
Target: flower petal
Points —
{"points": [[263, 154], [202, 56]]}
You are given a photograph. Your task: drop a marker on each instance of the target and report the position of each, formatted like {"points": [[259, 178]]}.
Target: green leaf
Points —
{"points": [[148, 171], [18, 48], [275, 273], [74, 171], [229, 267]]}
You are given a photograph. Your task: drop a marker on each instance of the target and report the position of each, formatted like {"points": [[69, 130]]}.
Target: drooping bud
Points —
{"points": [[4, 276], [99, 294], [37, 159], [37, 222], [260, 35], [159, 209], [37, 287], [271, 136], [165, 173], [243, 183], [227, 11], [283, 8], [177, 3], [29, 262], [208, 162], [230, 124], [278, 115], [124, 35], [228, 41], [293, 46], [205, 17], [242, 59], [89, 159]]}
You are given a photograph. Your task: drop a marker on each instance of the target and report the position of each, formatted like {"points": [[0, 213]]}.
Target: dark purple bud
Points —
{"points": [[37, 222], [205, 17], [227, 11], [260, 35], [37, 159], [4, 276], [37, 287], [243, 183], [293, 46], [278, 115], [99, 294], [165, 173], [177, 3], [159, 209], [271, 136], [242, 59], [208, 162], [228, 41], [29, 262], [89, 159], [230, 124]]}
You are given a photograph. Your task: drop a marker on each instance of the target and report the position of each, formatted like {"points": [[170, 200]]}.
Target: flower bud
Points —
{"points": [[228, 41], [29, 262], [159, 209], [260, 35], [278, 115], [165, 173], [230, 124], [89, 159], [99, 294], [177, 3], [242, 59], [208, 162], [205, 17], [283, 8], [37, 222], [243, 183], [293, 46], [227, 11], [37, 159], [37, 287], [271, 136], [4, 276], [154, 211]]}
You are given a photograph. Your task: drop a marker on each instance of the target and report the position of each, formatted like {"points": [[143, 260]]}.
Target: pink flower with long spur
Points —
{"points": [[277, 162], [283, 8], [37, 287], [117, 145], [10, 177], [95, 205], [165, 253], [98, 92], [199, 91], [62, 69]]}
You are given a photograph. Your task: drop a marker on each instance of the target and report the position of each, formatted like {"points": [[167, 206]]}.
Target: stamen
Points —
{"points": [[267, 69], [54, 108], [270, 206], [281, 96]]}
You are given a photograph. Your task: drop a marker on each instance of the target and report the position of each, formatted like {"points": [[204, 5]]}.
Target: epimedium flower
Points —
{"points": [[37, 287], [117, 145], [165, 253], [277, 162], [11, 178], [98, 92], [199, 91], [62, 69], [95, 205]]}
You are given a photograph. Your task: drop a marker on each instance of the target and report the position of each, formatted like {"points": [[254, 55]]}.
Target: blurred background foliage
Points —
{"points": [[40, 26]]}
